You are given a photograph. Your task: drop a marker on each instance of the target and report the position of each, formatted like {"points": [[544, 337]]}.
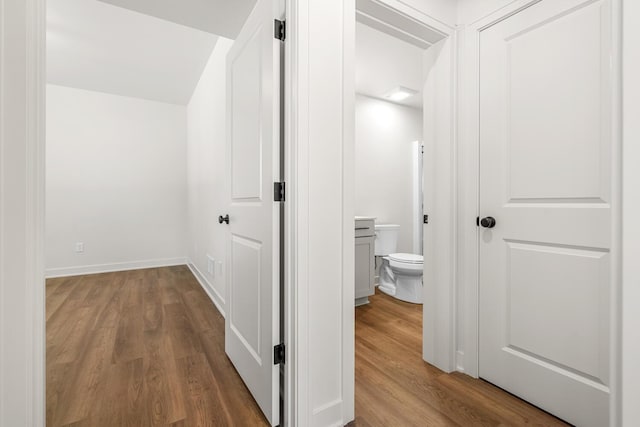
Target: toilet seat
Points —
{"points": [[407, 258], [409, 263]]}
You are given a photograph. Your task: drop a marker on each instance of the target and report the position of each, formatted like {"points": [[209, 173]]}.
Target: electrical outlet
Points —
{"points": [[211, 266], [79, 247], [220, 267]]}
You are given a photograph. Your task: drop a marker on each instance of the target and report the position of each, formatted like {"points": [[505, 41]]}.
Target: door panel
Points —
{"points": [[577, 279], [246, 155], [545, 175], [252, 323], [556, 64], [246, 258]]}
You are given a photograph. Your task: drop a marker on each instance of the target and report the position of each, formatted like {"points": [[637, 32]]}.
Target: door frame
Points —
{"points": [[417, 193], [313, 50], [22, 212], [469, 147], [629, 358]]}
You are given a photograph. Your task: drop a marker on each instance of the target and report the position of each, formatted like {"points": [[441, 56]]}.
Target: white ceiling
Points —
{"points": [[384, 62], [97, 46], [380, 16], [222, 17]]}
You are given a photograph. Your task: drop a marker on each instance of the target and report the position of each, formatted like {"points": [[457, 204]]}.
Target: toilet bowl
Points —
{"points": [[400, 274], [401, 277]]}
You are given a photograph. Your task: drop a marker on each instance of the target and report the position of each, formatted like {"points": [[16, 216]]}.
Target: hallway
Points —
{"points": [[146, 348]]}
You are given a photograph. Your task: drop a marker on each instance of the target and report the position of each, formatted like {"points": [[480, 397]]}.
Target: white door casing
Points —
{"points": [[22, 203], [546, 144], [630, 360], [252, 324]]}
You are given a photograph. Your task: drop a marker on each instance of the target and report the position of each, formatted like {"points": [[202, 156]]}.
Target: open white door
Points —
{"points": [[252, 323], [546, 162]]}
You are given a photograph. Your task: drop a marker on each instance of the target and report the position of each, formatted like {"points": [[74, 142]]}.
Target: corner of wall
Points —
{"points": [[207, 287], [206, 158]]}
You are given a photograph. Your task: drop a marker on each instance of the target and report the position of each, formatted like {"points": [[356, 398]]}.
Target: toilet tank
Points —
{"points": [[386, 241]]}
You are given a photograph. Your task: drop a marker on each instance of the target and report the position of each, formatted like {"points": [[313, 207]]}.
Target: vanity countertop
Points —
{"points": [[365, 218]]}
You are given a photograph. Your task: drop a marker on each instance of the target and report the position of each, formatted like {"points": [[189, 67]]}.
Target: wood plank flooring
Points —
{"points": [[146, 348], [140, 348], [395, 387]]}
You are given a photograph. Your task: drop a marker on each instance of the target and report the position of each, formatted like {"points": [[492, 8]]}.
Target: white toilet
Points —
{"points": [[400, 274]]}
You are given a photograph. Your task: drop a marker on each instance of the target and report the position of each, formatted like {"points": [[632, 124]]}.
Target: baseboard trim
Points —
{"points": [[116, 266], [207, 286], [460, 361]]}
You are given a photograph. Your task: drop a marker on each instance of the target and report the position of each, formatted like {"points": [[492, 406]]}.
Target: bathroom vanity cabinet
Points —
{"points": [[364, 259]]}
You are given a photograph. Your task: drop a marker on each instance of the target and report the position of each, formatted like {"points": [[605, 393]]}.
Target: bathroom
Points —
{"points": [[388, 164], [390, 80]]}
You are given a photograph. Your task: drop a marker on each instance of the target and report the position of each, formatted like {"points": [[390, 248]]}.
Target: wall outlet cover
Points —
{"points": [[211, 263]]}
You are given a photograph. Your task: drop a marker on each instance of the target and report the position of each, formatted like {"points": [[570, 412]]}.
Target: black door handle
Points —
{"points": [[222, 219], [488, 222]]}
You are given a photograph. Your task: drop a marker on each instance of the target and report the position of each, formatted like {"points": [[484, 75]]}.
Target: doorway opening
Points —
{"points": [[388, 171], [402, 70], [138, 259]]}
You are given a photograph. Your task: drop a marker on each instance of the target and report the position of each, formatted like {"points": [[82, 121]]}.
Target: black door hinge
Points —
{"points": [[477, 221], [278, 354], [279, 29], [278, 192], [425, 219]]}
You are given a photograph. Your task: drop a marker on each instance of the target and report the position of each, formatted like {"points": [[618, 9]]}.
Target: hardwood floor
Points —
{"points": [[140, 348], [146, 348], [394, 387]]}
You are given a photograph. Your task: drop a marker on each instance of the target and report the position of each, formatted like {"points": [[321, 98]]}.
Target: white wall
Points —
{"points": [[116, 181], [631, 225], [206, 121], [384, 164]]}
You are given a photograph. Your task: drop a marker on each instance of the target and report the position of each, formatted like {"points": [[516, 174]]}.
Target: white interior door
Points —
{"points": [[252, 323], [546, 178]]}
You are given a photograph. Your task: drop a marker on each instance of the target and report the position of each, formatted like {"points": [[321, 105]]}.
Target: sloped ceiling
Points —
{"points": [[222, 17], [97, 46]]}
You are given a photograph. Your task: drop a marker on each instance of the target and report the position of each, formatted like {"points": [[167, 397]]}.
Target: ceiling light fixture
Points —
{"points": [[400, 94]]}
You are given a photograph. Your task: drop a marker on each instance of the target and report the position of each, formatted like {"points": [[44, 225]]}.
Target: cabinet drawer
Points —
{"points": [[365, 227]]}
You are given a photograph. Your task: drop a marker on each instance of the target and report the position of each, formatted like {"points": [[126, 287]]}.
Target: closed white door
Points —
{"points": [[546, 178], [252, 322]]}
